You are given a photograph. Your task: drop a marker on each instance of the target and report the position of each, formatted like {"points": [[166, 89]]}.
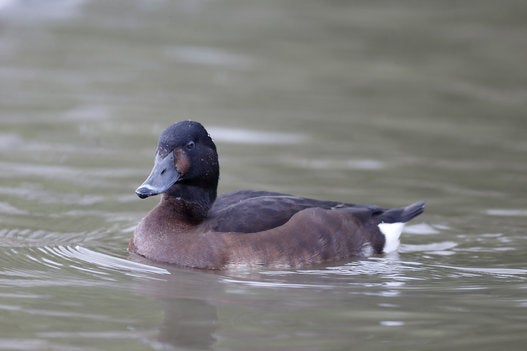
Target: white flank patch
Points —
{"points": [[392, 232]]}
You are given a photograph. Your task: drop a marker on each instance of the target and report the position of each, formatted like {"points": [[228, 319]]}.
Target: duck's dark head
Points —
{"points": [[186, 165]]}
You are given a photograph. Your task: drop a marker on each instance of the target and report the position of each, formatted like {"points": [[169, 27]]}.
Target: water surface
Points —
{"points": [[388, 103]]}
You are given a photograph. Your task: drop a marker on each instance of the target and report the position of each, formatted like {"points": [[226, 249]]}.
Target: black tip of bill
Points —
{"points": [[143, 192]]}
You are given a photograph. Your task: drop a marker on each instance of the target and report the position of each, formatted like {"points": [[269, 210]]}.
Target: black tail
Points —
{"points": [[404, 214]]}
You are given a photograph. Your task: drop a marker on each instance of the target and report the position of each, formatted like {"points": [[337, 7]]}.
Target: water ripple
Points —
{"points": [[106, 261], [353, 164], [496, 272], [246, 136], [507, 212], [209, 56], [441, 247], [78, 267], [17, 237]]}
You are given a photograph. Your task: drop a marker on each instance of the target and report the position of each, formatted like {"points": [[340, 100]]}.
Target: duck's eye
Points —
{"points": [[190, 145]]}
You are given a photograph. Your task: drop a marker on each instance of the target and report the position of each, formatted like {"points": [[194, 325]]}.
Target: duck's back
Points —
{"points": [[257, 211]]}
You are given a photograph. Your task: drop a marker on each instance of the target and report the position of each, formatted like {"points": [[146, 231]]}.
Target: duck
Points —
{"points": [[193, 227]]}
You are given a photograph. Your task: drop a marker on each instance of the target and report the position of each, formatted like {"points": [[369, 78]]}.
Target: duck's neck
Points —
{"points": [[189, 203]]}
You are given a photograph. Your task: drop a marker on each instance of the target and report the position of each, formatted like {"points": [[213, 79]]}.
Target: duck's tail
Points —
{"points": [[404, 214], [392, 223]]}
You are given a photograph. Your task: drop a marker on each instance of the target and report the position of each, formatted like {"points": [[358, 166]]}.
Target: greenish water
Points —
{"points": [[384, 102]]}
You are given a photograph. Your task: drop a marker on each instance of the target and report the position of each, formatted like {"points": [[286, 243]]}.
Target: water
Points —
{"points": [[387, 102]]}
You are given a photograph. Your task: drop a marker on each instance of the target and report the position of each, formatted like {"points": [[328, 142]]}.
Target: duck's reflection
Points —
{"points": [[189, 302], [188, 323]]}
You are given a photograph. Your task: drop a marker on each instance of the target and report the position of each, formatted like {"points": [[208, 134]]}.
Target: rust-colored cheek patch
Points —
{"points": [[182, 162]]}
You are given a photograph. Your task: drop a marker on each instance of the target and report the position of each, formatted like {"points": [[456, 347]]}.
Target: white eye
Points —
{"points": [[190, 145]]}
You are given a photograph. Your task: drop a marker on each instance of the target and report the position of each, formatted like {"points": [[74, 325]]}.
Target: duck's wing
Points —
{"points": [[256, 211], [225, 200]]}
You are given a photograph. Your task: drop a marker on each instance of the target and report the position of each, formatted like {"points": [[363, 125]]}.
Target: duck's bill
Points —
{"points": [[161, 178]]}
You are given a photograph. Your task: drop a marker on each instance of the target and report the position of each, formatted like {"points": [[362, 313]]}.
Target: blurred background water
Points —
{"points": [[384, 102]]}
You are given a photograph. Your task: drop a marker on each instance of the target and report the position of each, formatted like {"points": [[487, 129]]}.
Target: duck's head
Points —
{"points": [[186, 158]]}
